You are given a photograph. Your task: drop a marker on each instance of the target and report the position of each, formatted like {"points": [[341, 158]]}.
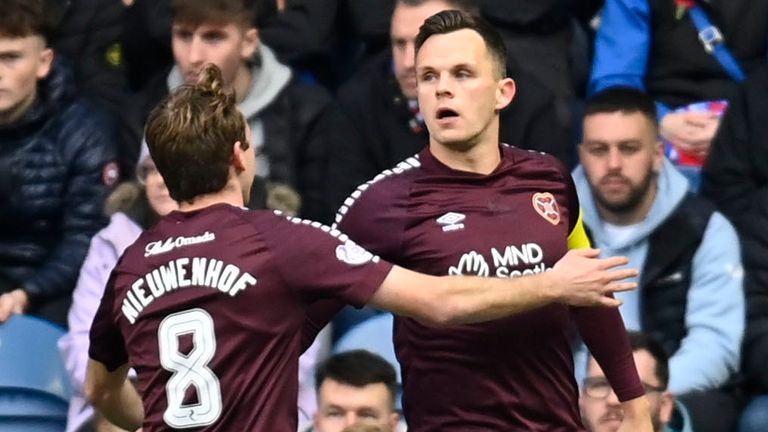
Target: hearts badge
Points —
{"points": [[546, 205]]}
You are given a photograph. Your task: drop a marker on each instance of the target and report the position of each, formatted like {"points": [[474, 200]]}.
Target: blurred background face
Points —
{"points": [[23, 61], [601, 409], [621, 157], [228, 46], [157, 194], [341, 405], [406, 21]]}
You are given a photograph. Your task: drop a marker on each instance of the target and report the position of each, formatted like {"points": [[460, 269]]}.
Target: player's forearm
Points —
{"points": [[476, 299], [121, 407]]}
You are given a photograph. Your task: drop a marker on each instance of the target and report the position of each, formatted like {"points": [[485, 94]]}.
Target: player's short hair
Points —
{"points": [[471, 7], [22, 18], [191, 133], [640, 341], [220, 12], [358, 368], [627, 100], [449, 21]]}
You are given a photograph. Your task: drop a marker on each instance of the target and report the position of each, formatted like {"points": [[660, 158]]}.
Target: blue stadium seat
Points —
{"points": [[374, 335], [34, 386]]}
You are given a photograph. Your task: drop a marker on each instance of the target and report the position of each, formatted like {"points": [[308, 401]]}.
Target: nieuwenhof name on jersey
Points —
{"points": [[181, 273]]}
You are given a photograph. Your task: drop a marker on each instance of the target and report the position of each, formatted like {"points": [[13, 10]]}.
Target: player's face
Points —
{"points": [[406, 21], [605, 414], [621, 157], [23, 61], [342, 405], [228, 46], [157, 194], [459, 92]]}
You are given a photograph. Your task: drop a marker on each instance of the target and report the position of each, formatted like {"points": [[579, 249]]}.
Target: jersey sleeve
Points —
{"points": [[107, 344], [604, 334], [320, 262]]}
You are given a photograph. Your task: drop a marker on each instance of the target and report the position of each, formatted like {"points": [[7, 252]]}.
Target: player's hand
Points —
{"points": [[13, 302], [582, 279]]}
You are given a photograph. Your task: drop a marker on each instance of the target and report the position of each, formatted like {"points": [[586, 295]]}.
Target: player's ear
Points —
{"points": [[505, 92], [238, 157]]}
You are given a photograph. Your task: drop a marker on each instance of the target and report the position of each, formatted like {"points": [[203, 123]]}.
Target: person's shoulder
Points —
{"points": [[370, 79], [533, 158], [306, 92], [392, 180], [385, 191]]}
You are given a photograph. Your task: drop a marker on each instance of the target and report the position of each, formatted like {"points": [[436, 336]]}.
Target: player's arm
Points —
{"points": [[577, 279], [113, 395]]}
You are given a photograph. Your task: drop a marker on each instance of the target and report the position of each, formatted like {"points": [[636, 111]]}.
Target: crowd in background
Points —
{"points": [[328, 89]]}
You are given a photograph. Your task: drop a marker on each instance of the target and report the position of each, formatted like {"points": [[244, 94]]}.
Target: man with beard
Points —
{"points": [[600, 408], [691, 297]]}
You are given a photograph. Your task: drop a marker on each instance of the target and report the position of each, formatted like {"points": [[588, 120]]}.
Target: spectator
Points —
{"points": [[601, 410], [286, 116], [655, 45], [355, 387], [690, 294], [736, 179], [378, 123], [133, 207], [56, 167]]}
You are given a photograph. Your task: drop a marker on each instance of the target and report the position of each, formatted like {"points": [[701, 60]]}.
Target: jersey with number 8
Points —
{"points": [[212, 352]]}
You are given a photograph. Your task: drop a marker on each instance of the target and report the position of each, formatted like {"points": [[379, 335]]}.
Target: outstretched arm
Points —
{"points": [[579, 279]]}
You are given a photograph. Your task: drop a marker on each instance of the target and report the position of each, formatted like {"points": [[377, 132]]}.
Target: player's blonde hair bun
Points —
{"points": [[211, 84]]}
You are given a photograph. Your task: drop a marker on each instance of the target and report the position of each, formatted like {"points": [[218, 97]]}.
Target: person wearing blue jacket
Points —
{"points": [[654, 45], [690, 294]]}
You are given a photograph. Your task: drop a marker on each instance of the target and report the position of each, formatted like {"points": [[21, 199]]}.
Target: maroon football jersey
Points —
{"points": [[509, 374], [207, 307]]}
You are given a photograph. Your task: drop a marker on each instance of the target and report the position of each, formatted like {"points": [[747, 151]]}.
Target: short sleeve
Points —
{"points": [[321, 263], [107, 343]]}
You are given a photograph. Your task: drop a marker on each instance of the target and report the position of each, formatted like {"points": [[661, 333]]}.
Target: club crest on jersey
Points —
{"points": [[352, 254], [451, 221], [546, 206]]}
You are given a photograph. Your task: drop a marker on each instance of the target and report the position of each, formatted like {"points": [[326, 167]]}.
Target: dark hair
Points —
{"points": [[22, 18], [469, 6], [197, 12], [449, 21], [191, 133], [626, 100], [640, 341], [357, 368]]}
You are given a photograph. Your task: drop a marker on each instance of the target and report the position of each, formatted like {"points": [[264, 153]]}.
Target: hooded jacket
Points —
{"points": [[710, 307], [287, 121]]}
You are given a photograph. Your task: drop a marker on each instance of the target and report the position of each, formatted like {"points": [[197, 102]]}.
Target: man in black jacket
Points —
{"points": [[377, 123], [57, 162], [735, 177]]}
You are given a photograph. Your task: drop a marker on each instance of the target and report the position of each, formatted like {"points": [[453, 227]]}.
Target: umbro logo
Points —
{"points": [[451, 221]]}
